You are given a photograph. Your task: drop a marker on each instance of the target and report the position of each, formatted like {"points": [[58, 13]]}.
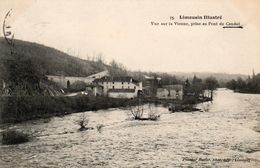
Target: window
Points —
{"points": [[122, 83], [122, 87], [113, 87], [113, 82], [135, 87]]}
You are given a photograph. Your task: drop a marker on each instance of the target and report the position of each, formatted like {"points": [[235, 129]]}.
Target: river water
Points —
{"points": [[224, 136]]}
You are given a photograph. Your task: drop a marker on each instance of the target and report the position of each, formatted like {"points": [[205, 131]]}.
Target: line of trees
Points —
{"points": [[249, 85], [199, 88]]}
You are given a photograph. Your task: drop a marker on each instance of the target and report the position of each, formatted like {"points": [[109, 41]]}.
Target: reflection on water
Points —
{"points": [[222, 137]]}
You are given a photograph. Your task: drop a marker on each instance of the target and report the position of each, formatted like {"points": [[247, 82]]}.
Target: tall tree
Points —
{"points": [[197, 86], [22, 75], [211, 84]]}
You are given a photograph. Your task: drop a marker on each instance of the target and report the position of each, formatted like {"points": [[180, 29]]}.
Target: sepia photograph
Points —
{"points": [[129, 83]]}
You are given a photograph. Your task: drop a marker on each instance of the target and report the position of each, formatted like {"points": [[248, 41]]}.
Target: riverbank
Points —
{"points": [[222, 137], [18, 109], [245, 92]]}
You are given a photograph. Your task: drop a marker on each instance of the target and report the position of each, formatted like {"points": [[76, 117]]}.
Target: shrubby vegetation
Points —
{"points": [[99, 127], [78, 86], [250, 85], [23, 76], [21, 108], [195, 90], [83, 122], [138, 109], [10, 137]]}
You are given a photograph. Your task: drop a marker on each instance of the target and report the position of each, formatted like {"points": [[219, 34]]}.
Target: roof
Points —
{"points": [[116, 79], [122, 90], [97, 75]]}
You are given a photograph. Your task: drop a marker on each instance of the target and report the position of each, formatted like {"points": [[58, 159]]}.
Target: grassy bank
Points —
{"points": [[16, 109]]}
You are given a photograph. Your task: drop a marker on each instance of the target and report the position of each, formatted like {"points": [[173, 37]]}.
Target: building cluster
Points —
{"points": [[116, 87], [170, 92], [101, 84], [153, 88]]}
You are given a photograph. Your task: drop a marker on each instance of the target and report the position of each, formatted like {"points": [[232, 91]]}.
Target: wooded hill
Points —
{"points": [[50, 61]]}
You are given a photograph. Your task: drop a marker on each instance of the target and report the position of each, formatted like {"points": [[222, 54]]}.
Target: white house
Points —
{"points": [[119, 87]]}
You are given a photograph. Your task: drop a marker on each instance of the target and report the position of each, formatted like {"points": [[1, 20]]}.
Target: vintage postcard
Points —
{"points": [[129, 83]]}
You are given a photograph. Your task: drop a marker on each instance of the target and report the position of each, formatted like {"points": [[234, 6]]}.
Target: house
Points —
{"points": [[118, 87], [170, 92]]}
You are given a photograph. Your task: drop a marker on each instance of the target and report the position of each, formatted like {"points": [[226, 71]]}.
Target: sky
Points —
{"points": [[122, 30]]}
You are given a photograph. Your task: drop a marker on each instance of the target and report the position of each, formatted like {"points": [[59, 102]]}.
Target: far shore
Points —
{"points": [[19, 109]]}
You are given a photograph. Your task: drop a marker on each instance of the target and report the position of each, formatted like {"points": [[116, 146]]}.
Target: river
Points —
{"points": [[223, 136]]}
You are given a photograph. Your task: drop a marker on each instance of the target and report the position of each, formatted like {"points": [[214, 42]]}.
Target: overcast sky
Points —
{"points": [[122, 31]]}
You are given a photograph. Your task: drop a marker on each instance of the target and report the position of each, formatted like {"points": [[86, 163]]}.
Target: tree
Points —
{"points": [[78, 86], [232, 84], [23, 77], [197, 86], [250, 85], [100, 58], [82, 122], [211, 84], [137, 110], [241, 84], [117, 69], [186, 88]]}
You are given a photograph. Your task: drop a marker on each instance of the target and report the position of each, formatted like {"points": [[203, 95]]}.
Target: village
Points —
{"points": [[102, 84]]}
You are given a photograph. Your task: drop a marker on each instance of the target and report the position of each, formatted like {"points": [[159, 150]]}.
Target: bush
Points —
{"points": [[99, 127], [189, 100], [137, 111], [153, 117], [82, 122], [11, 137], [152, 114], [78, 86]]}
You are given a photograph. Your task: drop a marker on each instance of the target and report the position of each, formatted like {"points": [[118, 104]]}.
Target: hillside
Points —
{"points": [[51, 61], [221, 77]]}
